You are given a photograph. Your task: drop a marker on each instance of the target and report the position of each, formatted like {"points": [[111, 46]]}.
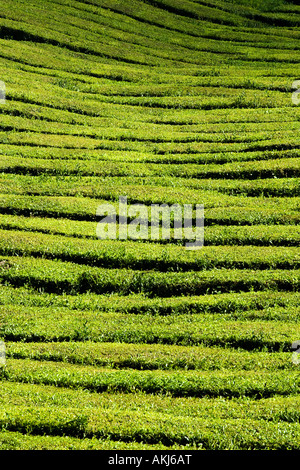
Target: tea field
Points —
{"points": [[142, 344]]}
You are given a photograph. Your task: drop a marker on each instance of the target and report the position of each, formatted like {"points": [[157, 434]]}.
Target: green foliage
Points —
{"points": [[132, 255], [263, 5], [145, 345], [184, 383]]}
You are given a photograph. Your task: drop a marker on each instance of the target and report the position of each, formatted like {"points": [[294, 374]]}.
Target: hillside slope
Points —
{"points": [[115, 344]]}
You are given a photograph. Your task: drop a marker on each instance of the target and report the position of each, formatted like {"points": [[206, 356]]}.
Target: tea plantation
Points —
{"points": [[143, 344]]}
